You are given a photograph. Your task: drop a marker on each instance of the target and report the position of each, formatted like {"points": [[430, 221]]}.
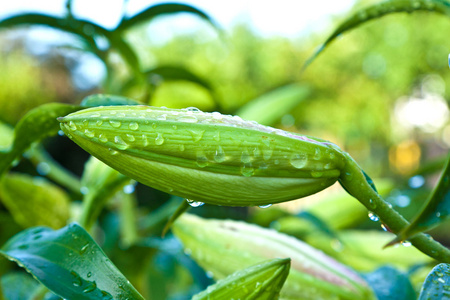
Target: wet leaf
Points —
{"points": [[34, 201], [363, 250], [390, 284], [380, 10], [69, 263], [436, 209], [259, 282], [107, 100], [163, 9], [99, 183], [270, 107], [36, 125], [437, 284], [18, 286]]}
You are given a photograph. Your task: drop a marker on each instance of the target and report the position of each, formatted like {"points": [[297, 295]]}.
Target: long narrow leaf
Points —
{"points": [[259, 282], [379, 10], [270, 107], [34, 201], [435, 211], [36, 125], [69, 263], [164, 9]]}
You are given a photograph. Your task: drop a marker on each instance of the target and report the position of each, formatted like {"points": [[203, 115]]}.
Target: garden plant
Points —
{"points": [[109, 246]]}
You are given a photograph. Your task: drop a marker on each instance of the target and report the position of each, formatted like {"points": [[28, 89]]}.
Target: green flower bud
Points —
{"points": [[223, 246], [207, 157], [259, 282]]}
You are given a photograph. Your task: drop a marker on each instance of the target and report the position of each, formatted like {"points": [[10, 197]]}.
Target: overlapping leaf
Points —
{"points": [[437, 284], [69, 263], [390, 284], [379, 10], [34, 201], [37, 124], [270, 107], [163, 9], [435, 211]]}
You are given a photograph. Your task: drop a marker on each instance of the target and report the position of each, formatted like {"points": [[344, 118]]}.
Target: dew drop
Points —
{"points": [[159, 140], [115, 124], [265, 206], [112, 151], [90, 288], [144, 140], [121, 115], [372, 204], [247, 170], [154, 125], [77, 281], [84, 248], [316, 174], [89, 133], [187, 119], [85, 122], [267, 153], [406, 243], [72, 126], [193, 109], [317, 154], [194, 203], [162, 117], [181, 147], [216, 136], [133, 126], [130, 137], [202, 160], [102, 138], [219, 155], [373, 217], [197, 135], [95, 115], [245, 156], [120, 143], [299, 160]]}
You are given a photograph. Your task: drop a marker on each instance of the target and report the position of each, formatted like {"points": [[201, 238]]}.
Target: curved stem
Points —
{"points": [[354, 181]]}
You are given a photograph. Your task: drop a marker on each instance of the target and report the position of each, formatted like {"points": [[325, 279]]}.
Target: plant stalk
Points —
{"points": [[354, 181]]}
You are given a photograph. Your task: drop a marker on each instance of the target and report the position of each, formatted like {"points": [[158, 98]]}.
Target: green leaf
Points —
{"points": [[435, 211], [379, 10], [163, 9], [390, 284], [18, 286], [363, 250], [99, 183], [437, 284], [68, 25], [6, 136], [34, 201], [174, 73], [270, 107], [262, 281], [34, 126], [107, 100], [184, 207], [69, 263]]}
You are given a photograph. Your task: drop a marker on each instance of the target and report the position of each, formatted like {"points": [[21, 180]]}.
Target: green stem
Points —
{"points": [[94, 201], [56, 172], [354, 181]]}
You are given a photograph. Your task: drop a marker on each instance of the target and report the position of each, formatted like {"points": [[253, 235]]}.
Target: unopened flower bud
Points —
{"points": [[207, 157], [223, 246]]}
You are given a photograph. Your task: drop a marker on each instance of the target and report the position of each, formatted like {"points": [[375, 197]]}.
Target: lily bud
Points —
{"points": [[207, 157], [224, 246]]}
